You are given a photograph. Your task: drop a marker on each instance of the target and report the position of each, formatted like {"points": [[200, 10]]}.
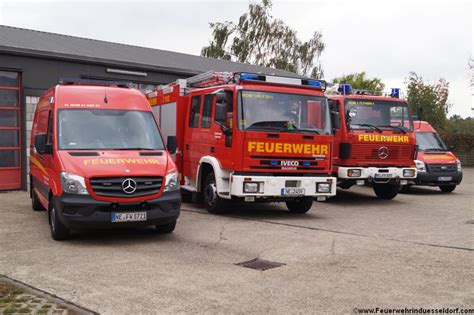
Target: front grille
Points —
{"points": [[285, 162], [370, 152], [112, 186], [442, 168]]}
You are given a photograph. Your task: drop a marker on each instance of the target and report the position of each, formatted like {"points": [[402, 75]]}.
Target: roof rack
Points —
{"points": [[78, 81]]}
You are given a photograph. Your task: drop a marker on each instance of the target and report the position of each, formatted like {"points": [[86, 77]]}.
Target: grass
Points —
{"points": [[10, 310], [24, 310], [47, 306]]}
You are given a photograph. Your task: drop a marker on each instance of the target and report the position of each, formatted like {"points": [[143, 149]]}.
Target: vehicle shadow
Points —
{"points": [[122, 235], [425, 191]]}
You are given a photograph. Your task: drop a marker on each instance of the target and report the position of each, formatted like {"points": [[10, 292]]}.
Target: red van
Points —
{"points": [[436, 164], [97, 159]]}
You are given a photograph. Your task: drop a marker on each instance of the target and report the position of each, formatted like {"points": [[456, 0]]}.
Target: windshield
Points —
{"points": [[107, 130], [429, 141], [376, 114], [259, 110]]}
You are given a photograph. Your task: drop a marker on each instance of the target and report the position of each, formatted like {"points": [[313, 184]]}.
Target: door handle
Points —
{"points": [[212, 149], [187, 146]]}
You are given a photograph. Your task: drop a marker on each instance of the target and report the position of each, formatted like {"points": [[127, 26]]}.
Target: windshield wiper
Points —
{"points": [[370, 126], [304, 130], [273, 128], [434, 149], [402, 129]]}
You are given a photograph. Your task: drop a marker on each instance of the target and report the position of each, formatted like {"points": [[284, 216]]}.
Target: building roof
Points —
{"points": [[50, 45]]}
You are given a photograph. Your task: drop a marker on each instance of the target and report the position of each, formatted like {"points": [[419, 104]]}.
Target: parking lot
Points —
{"points": [[354, 251]]}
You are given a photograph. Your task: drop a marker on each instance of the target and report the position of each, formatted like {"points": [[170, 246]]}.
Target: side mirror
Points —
{"points": [[335, 121], [41, 145], [226, 130], [172, 144]]}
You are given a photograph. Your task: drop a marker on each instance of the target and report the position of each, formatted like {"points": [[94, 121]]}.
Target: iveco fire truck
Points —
{"points": [[374, 141], [249, 137]]}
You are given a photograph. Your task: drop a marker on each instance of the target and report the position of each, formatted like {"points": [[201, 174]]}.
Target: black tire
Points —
{"points": [[447, 188], [386, 191], [213, 203], [59, 231], [300, 205], [405, 189], [35, 204], [166, 228]]}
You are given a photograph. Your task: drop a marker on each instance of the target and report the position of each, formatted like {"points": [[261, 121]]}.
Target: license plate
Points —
{"points": [[383, 175], [292, 191], [444, 178], [128, 216]]}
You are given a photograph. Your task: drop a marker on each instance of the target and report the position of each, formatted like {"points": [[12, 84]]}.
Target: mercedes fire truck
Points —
{"points": [[249, 137], [374, 141]]}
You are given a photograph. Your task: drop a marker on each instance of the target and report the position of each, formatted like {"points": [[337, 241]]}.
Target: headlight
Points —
{"points": [[172, 181], [458, 164], [73, 184], [409, 173], [323, 187], [251, 187], [420, 166], [354, 173]]}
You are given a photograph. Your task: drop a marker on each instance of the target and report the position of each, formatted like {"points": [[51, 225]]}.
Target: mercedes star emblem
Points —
{"points": [[383, 153], [129, 186]]}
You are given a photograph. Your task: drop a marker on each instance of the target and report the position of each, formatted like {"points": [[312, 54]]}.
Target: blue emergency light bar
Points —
{"points": [[345, 89], [395, 93], [244, 76]]}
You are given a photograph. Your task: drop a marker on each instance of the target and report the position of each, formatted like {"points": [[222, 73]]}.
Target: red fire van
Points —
{"points": [[97, 159], [436, 164]]}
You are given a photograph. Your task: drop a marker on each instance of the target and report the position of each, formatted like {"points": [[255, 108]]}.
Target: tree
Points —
{"points": [[359, 81], [259, 39], [431, 98]]}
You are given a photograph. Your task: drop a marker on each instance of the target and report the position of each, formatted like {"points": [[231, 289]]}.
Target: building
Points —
{"points": [[32, 61]]}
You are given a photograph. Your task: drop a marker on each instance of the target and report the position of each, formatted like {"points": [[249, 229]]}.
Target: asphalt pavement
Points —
{"points": [[354, 251]]}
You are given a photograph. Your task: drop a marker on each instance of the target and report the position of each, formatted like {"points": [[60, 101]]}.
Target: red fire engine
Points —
{"points": [[374, 141], [249, 137]]}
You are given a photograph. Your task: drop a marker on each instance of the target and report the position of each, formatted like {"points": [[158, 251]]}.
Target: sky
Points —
{"points": [[386, 38]]}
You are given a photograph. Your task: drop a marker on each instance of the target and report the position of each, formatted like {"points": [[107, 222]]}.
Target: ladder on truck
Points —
{"points": [[209, 78]]}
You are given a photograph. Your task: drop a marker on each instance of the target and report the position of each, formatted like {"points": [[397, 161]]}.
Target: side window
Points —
{"points": [[50, 127], [223, 107], [195, 111], [207, 111], [335, 115]]}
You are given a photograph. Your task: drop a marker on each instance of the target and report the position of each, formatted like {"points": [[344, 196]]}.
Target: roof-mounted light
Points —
{"points": [[248, 76], [314, 83], [345, 89], [395, 93]]}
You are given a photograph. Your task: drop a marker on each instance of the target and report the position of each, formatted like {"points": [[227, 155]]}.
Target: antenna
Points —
{"points": [[106, 100]]}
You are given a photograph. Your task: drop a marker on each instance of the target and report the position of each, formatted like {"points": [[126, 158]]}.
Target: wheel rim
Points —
{"points": [[211, 193]]}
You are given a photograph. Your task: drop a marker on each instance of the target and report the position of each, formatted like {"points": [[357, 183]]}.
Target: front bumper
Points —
{"points": [[378, 174], [433, 179], [272, 186], [79, 211]]}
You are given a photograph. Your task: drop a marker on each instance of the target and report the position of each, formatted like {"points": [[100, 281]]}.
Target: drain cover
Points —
{"points": [[260, 264]]}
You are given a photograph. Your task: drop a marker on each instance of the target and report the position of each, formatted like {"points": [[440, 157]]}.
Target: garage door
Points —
{"points": [[10, 138]]}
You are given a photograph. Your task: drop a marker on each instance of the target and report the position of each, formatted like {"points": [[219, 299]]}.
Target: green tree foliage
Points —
{"points": [[359, 81], [259, 39], [458, 125], [431, 98]]}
